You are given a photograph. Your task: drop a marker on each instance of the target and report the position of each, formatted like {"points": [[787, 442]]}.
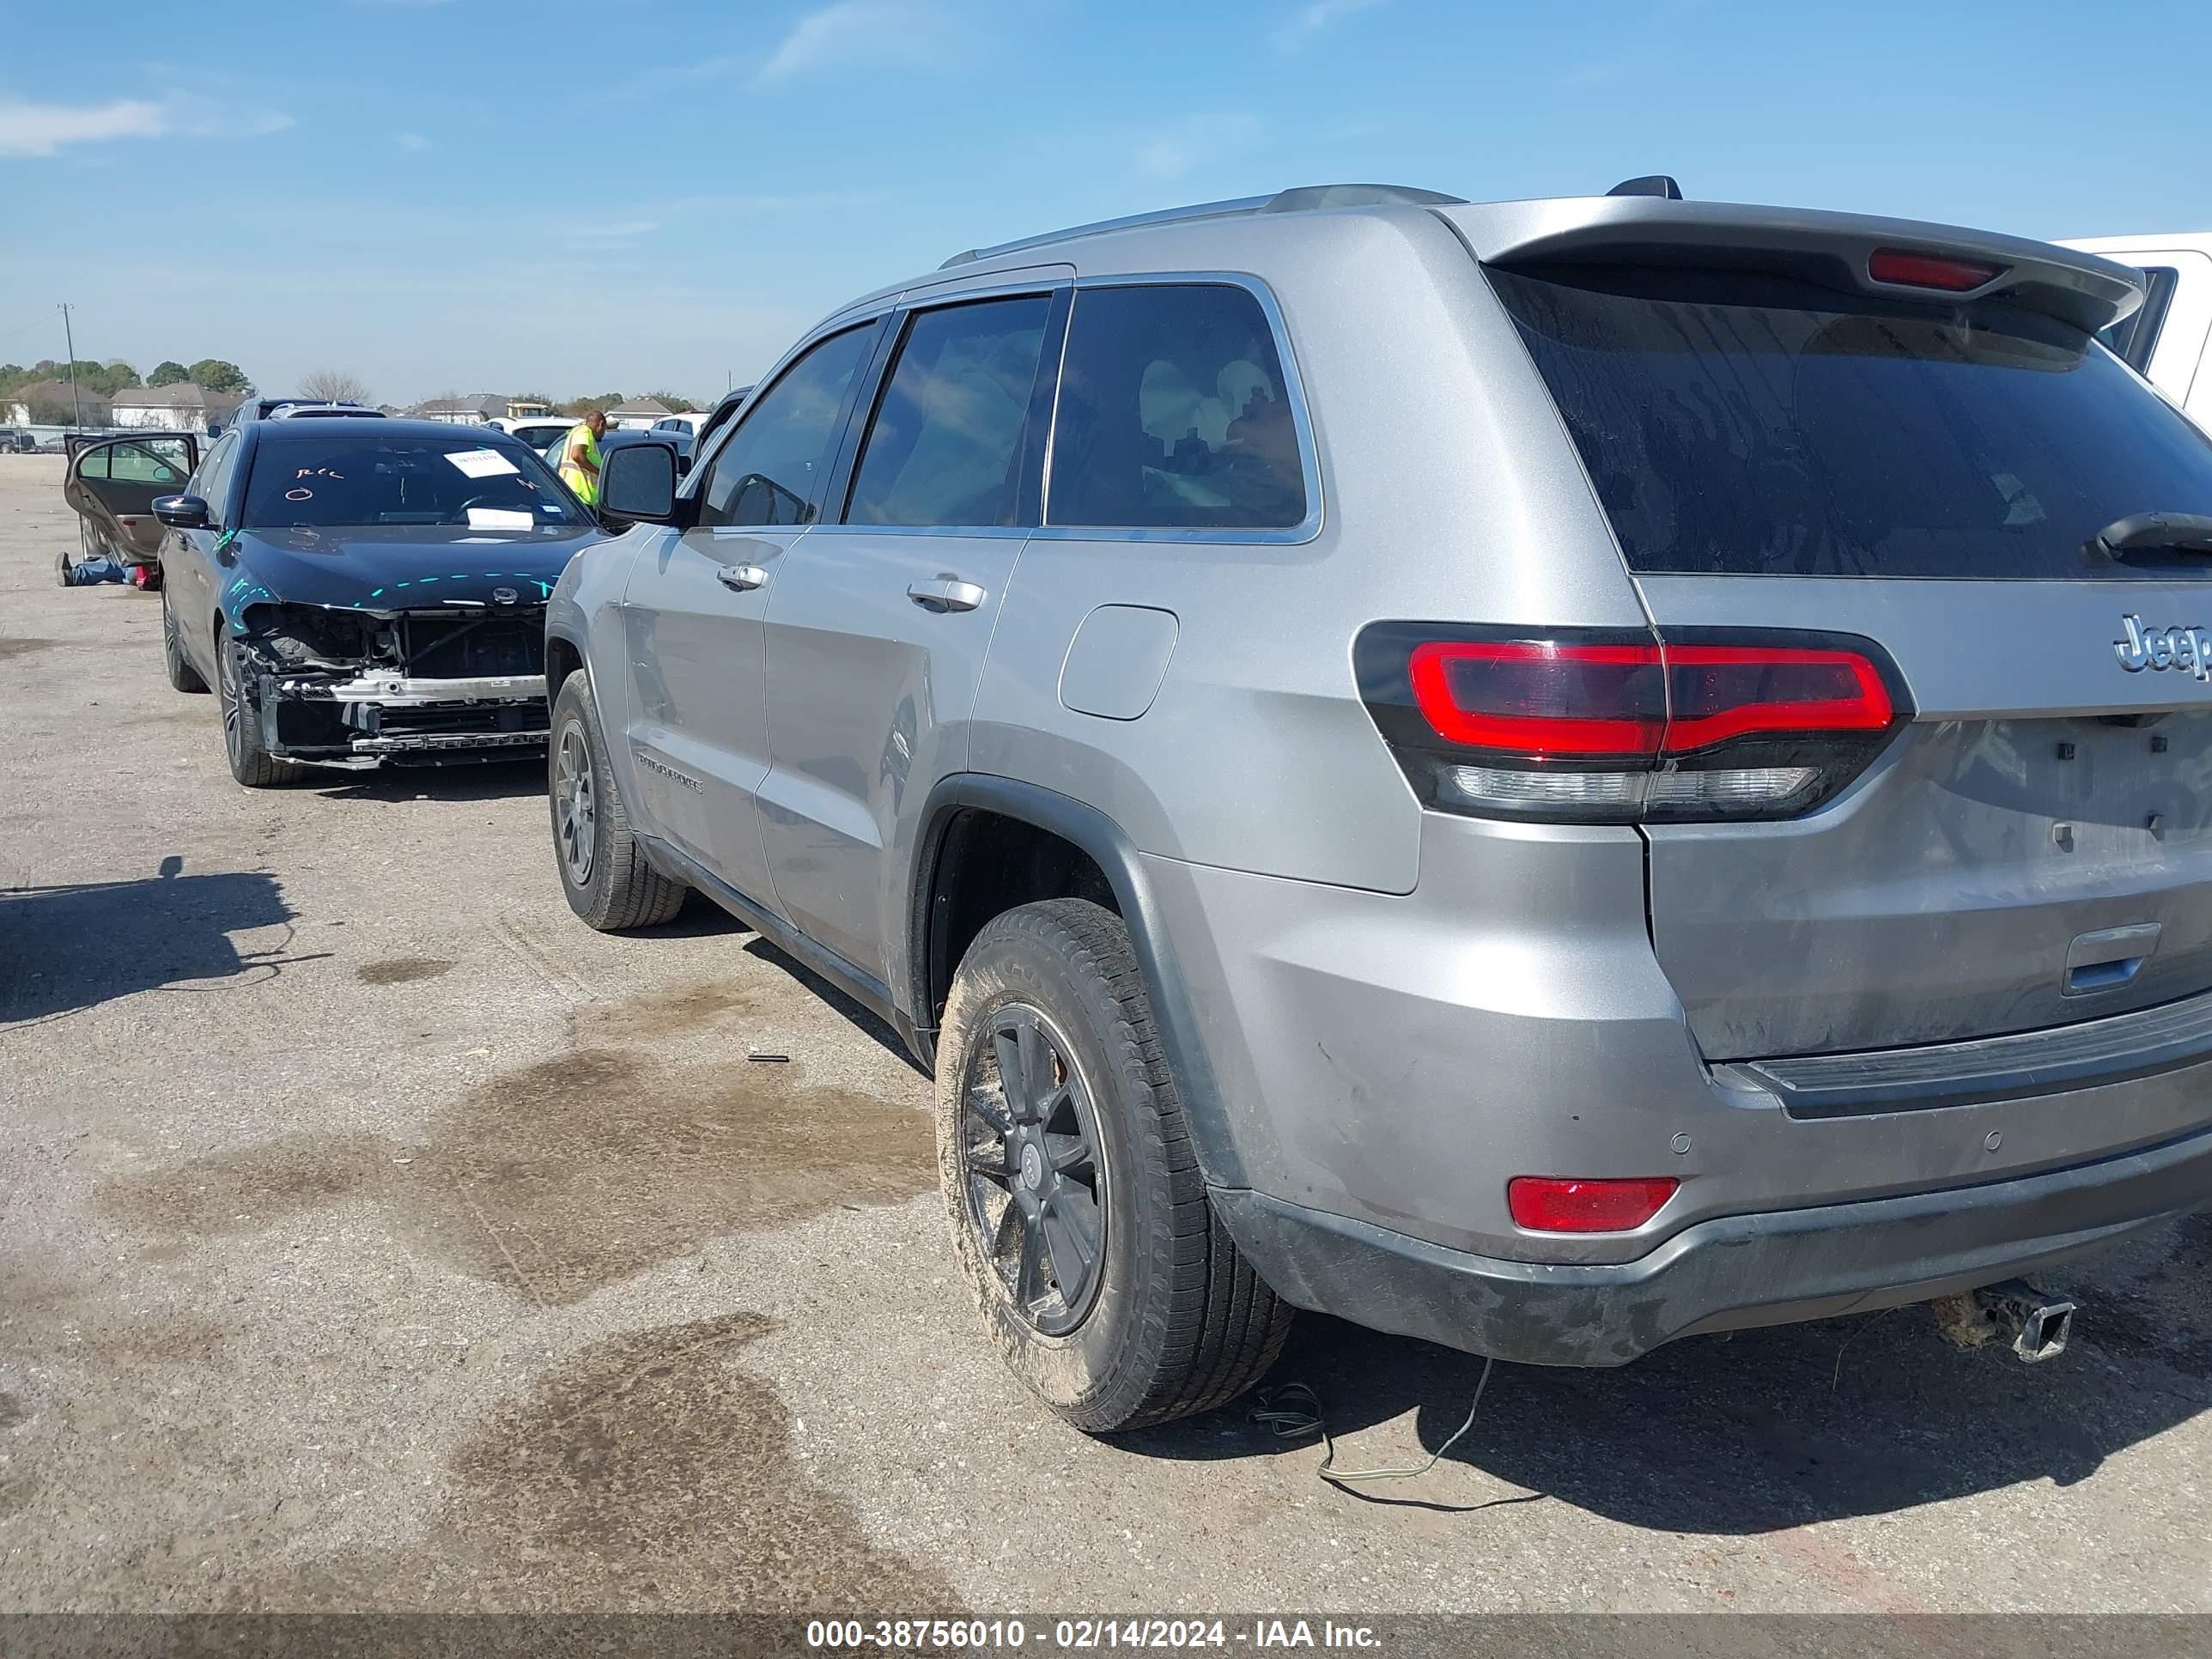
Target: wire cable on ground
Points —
{"points": [[1279, 1411]]}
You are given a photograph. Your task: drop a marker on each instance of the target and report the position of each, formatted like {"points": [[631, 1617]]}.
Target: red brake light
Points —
{"points": [[1548, 701], [1895, 265], [1542, 699], [1560, 1204], [1627, 727], [1716, 692]]}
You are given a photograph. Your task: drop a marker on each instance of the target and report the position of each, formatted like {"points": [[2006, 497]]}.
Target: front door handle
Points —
{"points": [[741, 578], [946, 593]]}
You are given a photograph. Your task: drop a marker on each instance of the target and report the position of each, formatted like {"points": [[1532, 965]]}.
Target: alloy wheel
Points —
{"points": [[575, 807], [1032, 1169], [232, 695]]}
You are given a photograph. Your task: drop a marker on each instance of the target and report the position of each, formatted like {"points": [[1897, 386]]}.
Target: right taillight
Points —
{"points": [[1618, 728]]}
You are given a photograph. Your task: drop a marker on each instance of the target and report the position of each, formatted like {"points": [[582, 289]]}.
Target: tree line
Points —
{"points": [[109, 378], [217, 375]]}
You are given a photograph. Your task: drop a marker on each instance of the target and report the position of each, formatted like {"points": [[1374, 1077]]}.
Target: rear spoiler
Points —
{"points": [[1835, 250]]}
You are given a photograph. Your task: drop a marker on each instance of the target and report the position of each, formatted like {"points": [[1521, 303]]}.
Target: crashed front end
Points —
{"points": [[337, 686]]}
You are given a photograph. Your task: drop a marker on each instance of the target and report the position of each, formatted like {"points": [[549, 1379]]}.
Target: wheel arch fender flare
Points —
{"points": [[572, 633], [1109, 846]]}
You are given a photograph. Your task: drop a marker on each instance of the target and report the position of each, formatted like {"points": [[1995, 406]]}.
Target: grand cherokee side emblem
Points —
{"points": [[2163, 648]]}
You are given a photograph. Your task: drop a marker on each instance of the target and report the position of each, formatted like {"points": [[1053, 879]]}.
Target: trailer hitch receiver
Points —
{"points": [[2038, 1322]]}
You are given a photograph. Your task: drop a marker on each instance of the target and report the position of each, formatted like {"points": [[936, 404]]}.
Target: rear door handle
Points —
{"points": [[946, 593], [741, 578]]}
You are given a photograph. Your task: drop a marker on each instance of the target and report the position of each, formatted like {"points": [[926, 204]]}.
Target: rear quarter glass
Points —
{"points": [[1741, 423]]}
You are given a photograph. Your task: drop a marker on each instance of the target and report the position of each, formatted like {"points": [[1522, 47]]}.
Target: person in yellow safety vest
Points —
{"points": [[578, 458]]}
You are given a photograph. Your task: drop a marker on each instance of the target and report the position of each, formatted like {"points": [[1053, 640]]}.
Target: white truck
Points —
{"points": [[2169, 340]]}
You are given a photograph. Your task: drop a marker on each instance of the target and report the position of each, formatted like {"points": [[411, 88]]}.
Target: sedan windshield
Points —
{"points": [[320, 478]]}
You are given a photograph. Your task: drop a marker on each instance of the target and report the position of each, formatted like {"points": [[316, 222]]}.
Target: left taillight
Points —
{"points": [[1628, 728]]}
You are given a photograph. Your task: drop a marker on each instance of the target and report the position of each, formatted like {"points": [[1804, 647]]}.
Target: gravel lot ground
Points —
{"points": [[373, 1234]]}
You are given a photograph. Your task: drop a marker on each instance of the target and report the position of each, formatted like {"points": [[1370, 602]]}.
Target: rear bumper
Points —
{"points": [[1722, 1273]]}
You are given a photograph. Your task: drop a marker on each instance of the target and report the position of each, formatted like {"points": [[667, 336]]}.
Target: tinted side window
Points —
{"points": [[770, 471], [946, 447], [1173, 413], [2135, 337], [212, 482]]}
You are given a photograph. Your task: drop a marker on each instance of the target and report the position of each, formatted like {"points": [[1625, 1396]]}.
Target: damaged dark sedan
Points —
{"points": [[365, 592]]}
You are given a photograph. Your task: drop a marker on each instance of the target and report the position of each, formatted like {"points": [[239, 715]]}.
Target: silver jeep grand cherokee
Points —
{"points": [[1547, 776]]}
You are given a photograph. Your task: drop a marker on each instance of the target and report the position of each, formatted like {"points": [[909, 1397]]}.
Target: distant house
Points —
{"points": [[183, 407], [461, 411], [478, 408], [51, 403], [636, 414]]}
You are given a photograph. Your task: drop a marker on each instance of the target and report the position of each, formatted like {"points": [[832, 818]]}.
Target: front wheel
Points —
{"points": [[603, 869], [1077, 1211], [251, 763]]}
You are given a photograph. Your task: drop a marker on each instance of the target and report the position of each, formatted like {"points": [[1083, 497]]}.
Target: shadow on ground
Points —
{"points": [[488, 780], [1765, 1430], [863, 1020], [63, 949]]}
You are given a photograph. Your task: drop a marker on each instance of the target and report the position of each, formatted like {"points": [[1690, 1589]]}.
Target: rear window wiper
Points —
{"points": [[2128, 539]]}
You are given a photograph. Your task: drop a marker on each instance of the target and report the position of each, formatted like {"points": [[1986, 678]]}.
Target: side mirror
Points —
{"points": [[638, 483], [181, 512]]}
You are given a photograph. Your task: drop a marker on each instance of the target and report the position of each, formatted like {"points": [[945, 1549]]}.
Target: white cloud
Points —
{"points": [[879, 27], [1310, 20], [30, 129], [1181, 146], [609, 236], [410, 140]]}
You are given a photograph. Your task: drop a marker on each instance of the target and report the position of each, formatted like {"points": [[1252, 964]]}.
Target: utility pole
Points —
{"points": [[76, 399]]}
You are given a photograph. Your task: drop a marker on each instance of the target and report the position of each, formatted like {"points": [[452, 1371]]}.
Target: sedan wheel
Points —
{"points": [[251, 763]]}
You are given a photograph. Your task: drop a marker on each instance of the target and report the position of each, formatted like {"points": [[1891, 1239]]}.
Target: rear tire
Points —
{"points": [[1163, 1318], [251, 763], [603, 869], [183, 677]]}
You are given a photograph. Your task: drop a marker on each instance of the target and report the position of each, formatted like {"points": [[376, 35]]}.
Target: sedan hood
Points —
{"points": [[400, 567]]}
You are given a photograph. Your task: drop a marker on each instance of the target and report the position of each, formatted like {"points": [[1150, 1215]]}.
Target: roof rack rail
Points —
{"points": [[1304, 198], [1651, 184]]}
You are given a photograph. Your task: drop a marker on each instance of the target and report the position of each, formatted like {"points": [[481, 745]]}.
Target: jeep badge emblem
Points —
{"points": [[508, 596], [2163, 648]]}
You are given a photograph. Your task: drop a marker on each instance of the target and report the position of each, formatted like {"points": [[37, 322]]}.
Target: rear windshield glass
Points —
{"points": [[315, 478], [1741, 424]]}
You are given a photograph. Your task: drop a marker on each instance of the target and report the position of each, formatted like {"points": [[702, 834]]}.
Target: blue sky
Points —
{"points": [[466, 195]]}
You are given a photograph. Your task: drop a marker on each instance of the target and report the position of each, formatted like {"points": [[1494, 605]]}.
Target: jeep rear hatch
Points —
{"points": [[1899, 446]]}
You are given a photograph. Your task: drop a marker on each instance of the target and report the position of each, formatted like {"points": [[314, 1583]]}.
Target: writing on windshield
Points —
{"points": [[461, 480]]}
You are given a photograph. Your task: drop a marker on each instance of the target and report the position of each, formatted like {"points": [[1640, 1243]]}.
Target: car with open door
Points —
{"points": [[112, 483], [365, 592]]}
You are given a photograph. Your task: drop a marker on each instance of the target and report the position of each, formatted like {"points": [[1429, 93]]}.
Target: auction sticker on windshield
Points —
{"points": [[482, 463]]}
